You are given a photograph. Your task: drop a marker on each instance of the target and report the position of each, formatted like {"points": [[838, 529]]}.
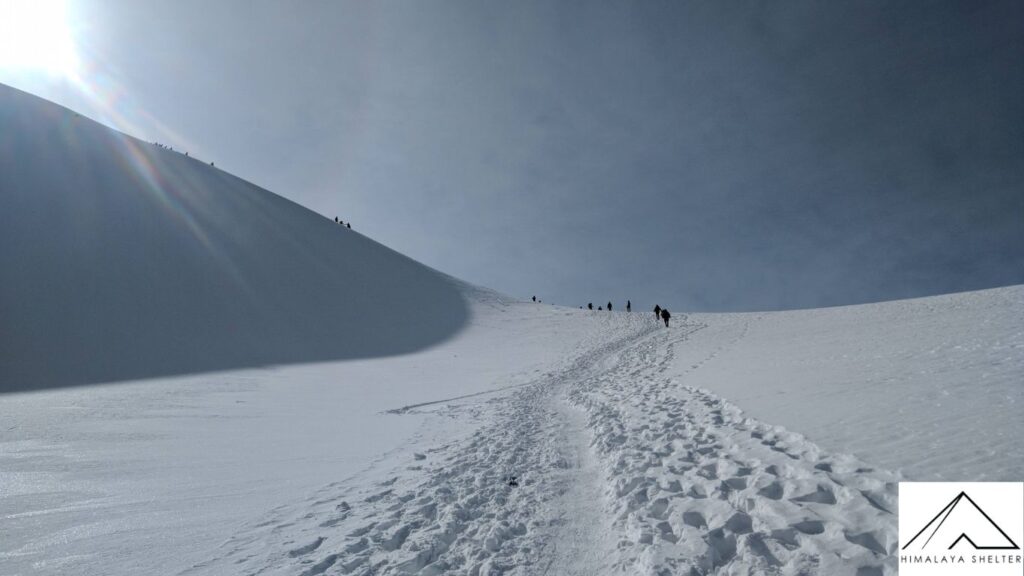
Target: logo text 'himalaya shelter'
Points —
{"points": [[949, 528]]}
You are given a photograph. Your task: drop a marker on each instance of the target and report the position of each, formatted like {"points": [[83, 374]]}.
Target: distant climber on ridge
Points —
{"points": [[629, 306], [609, 306], [657, 312], [665, 316]]}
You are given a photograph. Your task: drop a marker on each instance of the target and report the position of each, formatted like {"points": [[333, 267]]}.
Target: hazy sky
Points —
{"points": [[704, 155]]}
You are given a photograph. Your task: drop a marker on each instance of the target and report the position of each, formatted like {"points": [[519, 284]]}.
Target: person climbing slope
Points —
{"points": [[665, 316]]}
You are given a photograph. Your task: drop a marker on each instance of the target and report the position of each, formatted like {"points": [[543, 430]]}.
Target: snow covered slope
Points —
{"points": [[628, 448], [372, 416], [124, 260], [152, 476], [626, 462], [932, 386]]}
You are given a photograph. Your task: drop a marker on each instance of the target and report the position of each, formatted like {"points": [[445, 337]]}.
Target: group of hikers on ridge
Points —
{"points": [[166, 147], [659, 312]]}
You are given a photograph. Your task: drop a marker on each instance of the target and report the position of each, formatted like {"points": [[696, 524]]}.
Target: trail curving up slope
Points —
{"points": [[619, 468]]}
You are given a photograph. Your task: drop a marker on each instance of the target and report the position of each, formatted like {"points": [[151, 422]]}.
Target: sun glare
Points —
{"points": [[35, 36]]}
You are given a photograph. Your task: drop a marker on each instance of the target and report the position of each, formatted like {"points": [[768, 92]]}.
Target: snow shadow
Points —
{"points": [[123, 260]]}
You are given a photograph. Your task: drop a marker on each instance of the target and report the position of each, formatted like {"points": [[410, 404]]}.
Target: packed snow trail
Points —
{"points": [[694, 487], [607, 465]]}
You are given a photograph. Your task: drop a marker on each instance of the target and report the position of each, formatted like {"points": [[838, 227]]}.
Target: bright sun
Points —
{"points": [[35, 36]]}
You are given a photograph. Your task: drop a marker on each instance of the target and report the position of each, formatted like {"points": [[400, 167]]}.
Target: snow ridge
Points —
{"points": [[130, 261]]}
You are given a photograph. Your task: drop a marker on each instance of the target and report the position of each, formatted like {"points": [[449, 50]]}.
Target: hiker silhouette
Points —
{"points": [[665, 316], [590, 305], [629, 306], [609, 306], [657, 312]]}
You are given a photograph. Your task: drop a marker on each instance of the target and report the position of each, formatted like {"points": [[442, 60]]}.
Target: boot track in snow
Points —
{"points": [[619, 469]]}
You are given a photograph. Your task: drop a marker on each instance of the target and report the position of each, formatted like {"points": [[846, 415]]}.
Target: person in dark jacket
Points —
{"points": [[657, 312], [629, 306], [665, 316], [609, 306]]}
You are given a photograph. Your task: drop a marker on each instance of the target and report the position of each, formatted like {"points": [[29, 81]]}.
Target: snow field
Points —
{"points": [[626, 460], [620, 469], [695, 487], [452, 509], [931, 387]]}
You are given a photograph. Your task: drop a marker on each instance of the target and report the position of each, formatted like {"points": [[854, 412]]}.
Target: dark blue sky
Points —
{"points": [[711, 156]]}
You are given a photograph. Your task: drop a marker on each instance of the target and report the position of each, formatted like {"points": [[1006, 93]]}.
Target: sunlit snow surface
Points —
{"points": [[627, 437]]}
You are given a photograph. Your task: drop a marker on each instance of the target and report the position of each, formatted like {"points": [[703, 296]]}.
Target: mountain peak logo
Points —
{"points": [[978, 530], [959, 521]]}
